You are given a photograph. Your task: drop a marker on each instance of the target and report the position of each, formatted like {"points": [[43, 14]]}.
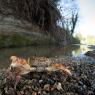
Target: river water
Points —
{"points": [[47, 51]]}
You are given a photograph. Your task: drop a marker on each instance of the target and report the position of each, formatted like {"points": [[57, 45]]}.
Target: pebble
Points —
{"points": [[82, 82]]}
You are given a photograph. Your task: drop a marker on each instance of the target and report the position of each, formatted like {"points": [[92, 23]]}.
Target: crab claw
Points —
{"points": [[62, 68]]}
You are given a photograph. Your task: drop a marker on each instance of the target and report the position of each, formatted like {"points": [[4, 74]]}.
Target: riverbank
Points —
{"points": [[91, 53], [82, 82]]}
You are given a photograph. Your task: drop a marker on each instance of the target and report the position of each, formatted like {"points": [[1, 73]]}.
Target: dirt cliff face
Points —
{"points": [[44, 14], [21, 16], [10, 21], [16, 32]]}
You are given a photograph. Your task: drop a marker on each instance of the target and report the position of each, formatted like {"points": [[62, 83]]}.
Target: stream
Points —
{"points": [[75, 51]]}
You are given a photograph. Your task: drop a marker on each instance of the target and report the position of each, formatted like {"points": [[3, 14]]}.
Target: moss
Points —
{"points": [[41, 41], [17, 40]]}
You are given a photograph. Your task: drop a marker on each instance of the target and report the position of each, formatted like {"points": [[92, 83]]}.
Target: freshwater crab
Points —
{"points": [[20, 66]]}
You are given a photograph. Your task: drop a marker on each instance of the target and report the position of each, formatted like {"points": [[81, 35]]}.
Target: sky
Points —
{"points": [[86, 23]]}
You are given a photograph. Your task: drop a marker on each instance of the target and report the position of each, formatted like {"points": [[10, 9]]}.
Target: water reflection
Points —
{"points": [[80, 51], [40, 51]]}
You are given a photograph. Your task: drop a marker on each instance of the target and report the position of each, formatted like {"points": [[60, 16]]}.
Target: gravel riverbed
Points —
{"points": [[82, 82]]}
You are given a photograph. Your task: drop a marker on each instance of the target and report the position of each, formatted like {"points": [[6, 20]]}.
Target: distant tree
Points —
{"points": [[79, 36], [73, 22], [69, 15]]}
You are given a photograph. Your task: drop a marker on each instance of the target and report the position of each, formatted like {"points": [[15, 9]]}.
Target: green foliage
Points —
{"points": [[90, 40], [75, 40], [79, 36], [20, 40], [13, 40]]}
